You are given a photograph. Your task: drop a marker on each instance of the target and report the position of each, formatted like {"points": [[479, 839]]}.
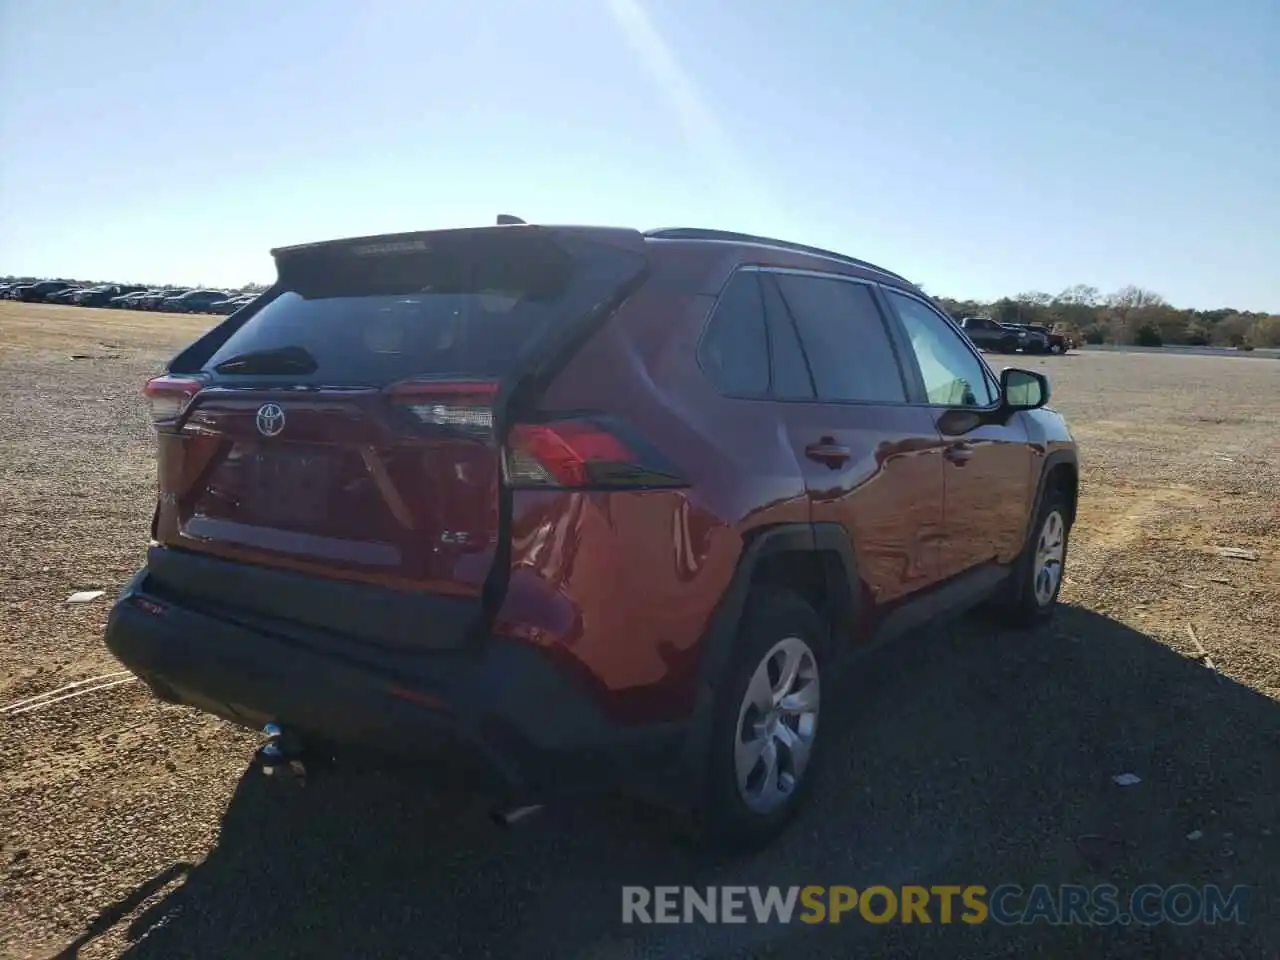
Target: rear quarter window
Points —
{"points": [[734, 352]]}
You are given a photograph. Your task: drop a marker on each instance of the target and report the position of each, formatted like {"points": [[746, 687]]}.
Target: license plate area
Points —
{"points": [[290, 487]]}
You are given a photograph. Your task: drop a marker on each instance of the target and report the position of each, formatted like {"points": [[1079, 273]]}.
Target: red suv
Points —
{"points": [[593, 506]]}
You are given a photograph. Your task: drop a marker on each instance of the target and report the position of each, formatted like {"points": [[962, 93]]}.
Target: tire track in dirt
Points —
{"points": [[1113, 519]]}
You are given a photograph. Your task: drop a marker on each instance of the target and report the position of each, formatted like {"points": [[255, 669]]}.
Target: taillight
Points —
{"points": [[585, 452], [463, 407], [170, 396]]}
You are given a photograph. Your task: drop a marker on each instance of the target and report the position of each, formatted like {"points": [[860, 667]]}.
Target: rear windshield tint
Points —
{"points": [[476, 311]]}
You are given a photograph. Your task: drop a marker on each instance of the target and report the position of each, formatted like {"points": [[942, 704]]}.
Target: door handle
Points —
{"points": [[959, 452], [827, 451]]}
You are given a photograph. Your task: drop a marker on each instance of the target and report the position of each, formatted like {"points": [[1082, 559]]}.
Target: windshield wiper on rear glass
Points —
{"points": [[279, 360]]}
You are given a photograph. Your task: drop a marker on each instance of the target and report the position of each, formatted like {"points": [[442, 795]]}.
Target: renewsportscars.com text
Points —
{"points": [[1007, 904]]}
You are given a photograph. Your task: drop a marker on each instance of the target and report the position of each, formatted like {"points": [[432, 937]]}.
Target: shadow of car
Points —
{"points": [[982, 756]]}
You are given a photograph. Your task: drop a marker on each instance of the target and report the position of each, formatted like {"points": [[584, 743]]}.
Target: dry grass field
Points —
{"points": [[970, 754]]}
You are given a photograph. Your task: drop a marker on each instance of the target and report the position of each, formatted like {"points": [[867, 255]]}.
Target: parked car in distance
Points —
{"points": [[193, 301], [127, 301], [1036, 342], [153, 299], [590, 507], [13, 289], [63, 296], [77, 295], [232, 304], [990, 334], [1056, 341], [104, 294], [36, 292]]}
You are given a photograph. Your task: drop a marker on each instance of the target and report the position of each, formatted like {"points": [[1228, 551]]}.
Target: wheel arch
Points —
{"points": [[808, 558], [1061, 471]]}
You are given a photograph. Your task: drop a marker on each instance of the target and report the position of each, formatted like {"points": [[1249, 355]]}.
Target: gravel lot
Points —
{"points": [[969, 755]]}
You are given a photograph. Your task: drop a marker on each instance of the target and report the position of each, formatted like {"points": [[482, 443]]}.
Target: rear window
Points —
{"points": [[473, 308]]}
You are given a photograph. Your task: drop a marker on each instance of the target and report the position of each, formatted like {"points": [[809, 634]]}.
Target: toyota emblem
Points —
{"points": [[270, 419]]}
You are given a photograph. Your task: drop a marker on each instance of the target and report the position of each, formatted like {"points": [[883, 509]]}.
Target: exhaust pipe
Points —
{"points": [[510, 816]]}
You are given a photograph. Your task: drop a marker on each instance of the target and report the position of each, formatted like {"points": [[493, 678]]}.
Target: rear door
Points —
{"points": [[871, 461], [345, 425]]}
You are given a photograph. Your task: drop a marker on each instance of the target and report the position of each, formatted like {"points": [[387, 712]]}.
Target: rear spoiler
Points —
{"points": [[420, 240]]}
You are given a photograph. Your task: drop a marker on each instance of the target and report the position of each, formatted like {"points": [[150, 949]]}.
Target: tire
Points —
{"points": [[1055, 348], [1008, 346], [1036, 580], [777, 628]]}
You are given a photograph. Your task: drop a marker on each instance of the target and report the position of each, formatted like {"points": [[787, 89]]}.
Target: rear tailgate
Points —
{"points": [[347, 427]]}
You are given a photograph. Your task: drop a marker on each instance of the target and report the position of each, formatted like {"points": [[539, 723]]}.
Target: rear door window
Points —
{"points": [[844, 338], [734, 352], [791, 378]]}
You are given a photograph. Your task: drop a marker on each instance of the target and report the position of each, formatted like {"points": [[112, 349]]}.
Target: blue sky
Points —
{"points": [[981, 148]]}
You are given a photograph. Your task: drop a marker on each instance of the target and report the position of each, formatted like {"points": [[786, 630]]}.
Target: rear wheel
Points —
{"points": [[1055, 348], [1009, 345], [764, 742]]}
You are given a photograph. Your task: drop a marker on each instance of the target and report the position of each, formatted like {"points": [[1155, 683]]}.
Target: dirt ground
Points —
{"points": [[970, 754]]}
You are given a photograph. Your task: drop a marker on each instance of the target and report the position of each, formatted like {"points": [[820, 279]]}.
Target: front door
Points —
{"points": [[988, 466]]}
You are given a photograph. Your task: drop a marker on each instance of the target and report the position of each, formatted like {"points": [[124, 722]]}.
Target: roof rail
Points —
{"points": [[699, 233]]}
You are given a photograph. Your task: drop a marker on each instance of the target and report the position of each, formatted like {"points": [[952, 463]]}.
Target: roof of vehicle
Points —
{"points": [[508, 222], [729, 236]]}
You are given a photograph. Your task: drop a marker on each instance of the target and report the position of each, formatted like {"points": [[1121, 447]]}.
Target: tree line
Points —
{"points": [[1130, 315]]}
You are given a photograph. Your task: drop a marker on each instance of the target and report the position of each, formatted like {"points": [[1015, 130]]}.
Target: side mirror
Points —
{"points": [[1023, 390]]}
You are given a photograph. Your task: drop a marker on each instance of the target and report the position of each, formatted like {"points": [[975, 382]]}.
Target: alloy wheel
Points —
{"points": [[1050, 550], [777, 723]]}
